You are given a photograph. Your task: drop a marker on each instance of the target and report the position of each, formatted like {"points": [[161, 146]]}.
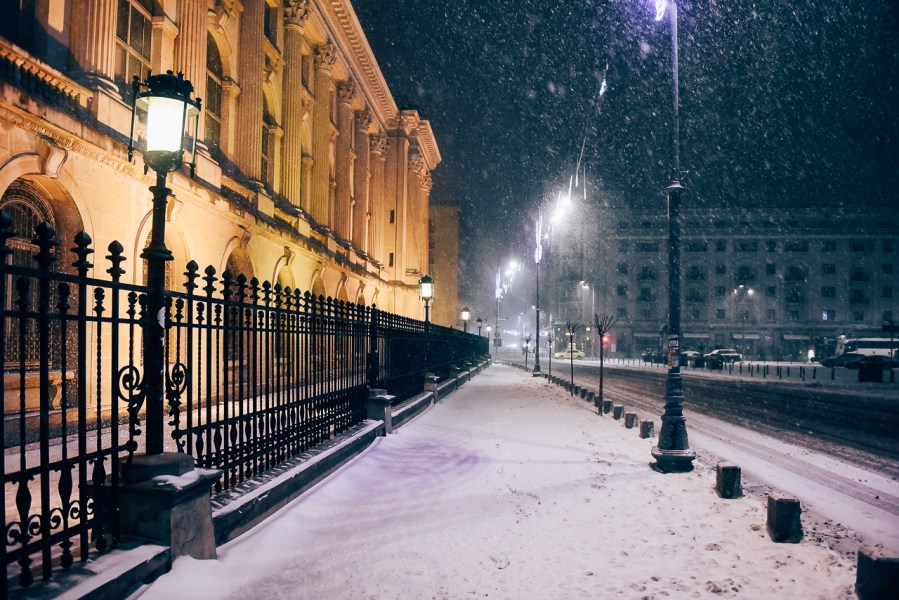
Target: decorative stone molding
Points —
{"points": [[296, 13], [325, 56], [363, 120], [346, 91], [416, 162], [379, 144], [425, 182]]}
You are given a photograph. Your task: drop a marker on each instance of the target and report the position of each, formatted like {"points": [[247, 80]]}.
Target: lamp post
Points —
{"points": [[426, 292], [166, 102], [743, 292], [538, 257], [480, 322], [466, 316], [673, 453]]}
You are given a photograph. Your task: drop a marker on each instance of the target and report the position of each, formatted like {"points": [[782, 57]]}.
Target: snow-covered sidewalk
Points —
{"points": [[511, 489]]}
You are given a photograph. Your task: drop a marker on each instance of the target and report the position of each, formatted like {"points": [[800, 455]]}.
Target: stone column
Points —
{"points": [[361, 180], [190, 46], [93, 42], [396, 196], [413, 232], [377, 207], [230, 92], [346, 92], [425, 184], [249, 110], [296, 13], [321, 136]]}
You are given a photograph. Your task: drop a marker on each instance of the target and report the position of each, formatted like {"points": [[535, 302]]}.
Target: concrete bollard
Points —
{"points": [[590, 397], [617, 411], [784, 524], [583, 393], [728, 483], [630, 420], [606, 406], [877, 577], [646, 428]]}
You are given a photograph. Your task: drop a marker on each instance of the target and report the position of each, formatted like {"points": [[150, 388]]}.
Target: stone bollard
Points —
{"points": [[583, 393], [606, 406], [784, 524], [727, 483], [378, 408], [646, 428], [877, 577], [617, 411], [630, 420], [431, 386], [590, 397]]}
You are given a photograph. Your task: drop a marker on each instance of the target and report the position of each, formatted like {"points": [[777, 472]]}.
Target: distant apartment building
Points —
{"points": [[774, 283]]}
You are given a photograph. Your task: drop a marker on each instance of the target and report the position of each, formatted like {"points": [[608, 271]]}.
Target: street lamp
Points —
{"points": [[164, 101], [426, 291], [480, 323], [744, 292], [538, 257], [466, 316], [673, 454]]}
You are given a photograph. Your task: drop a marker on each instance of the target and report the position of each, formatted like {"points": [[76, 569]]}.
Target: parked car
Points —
{"points": [[842, 360], [653, 357], [691, 358], [726, 355], [569, 354]]}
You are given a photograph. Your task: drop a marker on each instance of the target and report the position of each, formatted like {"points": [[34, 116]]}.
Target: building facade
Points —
{"points": [[308, 174], [774, 283], [444, 266]]}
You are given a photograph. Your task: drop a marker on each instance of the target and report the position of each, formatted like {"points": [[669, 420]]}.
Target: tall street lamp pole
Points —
{"points": [[426, 291], [673, 453], [166, 102], [466, 317], [538, 257]]}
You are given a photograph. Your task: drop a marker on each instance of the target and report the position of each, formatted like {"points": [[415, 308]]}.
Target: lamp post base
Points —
{"points": [[673, 461]]}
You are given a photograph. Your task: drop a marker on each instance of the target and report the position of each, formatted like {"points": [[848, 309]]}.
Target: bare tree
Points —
{"points": [[604, 325]]}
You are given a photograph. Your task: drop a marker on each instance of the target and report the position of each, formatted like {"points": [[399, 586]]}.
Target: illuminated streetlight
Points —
{"points": [[164, 100], [466, 316], [673, 454]]}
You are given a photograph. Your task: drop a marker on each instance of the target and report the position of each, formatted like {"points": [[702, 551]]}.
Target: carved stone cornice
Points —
{"points": [[67, 141], [296, 13], [346, 91], [363, 120], [325, 57]]}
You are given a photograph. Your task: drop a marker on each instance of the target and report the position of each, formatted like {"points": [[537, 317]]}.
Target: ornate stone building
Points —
{"points": [[308, 173]]}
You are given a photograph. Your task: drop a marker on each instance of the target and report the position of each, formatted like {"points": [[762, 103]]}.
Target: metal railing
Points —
{"points": [[256, 374]]}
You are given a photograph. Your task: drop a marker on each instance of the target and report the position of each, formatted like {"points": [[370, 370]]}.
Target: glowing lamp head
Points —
{"points": [[466, 314], [166, 102], [426, 288]]}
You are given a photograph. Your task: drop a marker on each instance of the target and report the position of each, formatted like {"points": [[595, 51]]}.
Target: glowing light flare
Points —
{"points": [[661, 5]]}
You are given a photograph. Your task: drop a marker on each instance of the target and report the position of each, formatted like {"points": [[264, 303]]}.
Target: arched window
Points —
{"points": [[134, 32], [25, 207], [212, 108]]}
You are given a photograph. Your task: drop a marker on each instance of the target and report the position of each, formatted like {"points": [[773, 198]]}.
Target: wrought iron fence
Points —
{"points": [[255, 374]]}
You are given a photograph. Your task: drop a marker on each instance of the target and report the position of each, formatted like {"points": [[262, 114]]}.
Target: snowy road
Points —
{"points": [[861, 499]]}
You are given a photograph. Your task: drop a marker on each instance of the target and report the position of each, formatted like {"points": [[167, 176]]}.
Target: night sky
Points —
{"points": [[783, 102]]}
